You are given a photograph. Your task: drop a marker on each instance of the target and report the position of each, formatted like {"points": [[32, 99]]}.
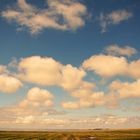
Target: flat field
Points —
{"points": [[129, 134]]}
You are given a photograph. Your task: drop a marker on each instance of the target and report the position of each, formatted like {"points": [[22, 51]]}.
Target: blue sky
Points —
{"points": [[64, 49]]}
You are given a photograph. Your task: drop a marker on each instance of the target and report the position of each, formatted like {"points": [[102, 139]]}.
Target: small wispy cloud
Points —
{"points": [[115, 49], [114, 18]]}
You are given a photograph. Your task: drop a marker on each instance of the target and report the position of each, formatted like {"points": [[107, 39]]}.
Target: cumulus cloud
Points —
{"points": [[109, 66], [36, 69], [117, 50], [9, 84], [92, 99], [71, 77], [126, 89], [106, 65], [86, 97], [47, 71], [60, 14], [114, 18], [37, 97]]}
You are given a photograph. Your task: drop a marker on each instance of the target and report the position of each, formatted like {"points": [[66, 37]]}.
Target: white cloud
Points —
{"points": [[40, 120], [60, 14], [70, 105], [71, 77], [25, 120], [133, 69], [37, 97], [15, 116], [84, 90], [85, 97], [36, 69], [47, 71], [114, 17], [9, 84], [117, 50], [126, 89], [44, 121], [91, 99], [106, 65], [109, 66], [95, 99]]}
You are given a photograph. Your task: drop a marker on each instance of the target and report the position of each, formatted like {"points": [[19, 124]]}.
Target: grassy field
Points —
{"points": [[72, 135]]}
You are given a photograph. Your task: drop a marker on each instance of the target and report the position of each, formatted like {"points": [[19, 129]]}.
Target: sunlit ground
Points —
{"points": [[129, 134]]}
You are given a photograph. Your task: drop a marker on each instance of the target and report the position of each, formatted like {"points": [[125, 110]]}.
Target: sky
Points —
{"points": [[69, 64]]}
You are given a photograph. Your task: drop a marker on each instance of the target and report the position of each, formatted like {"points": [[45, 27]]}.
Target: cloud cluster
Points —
{"points": [[89, 98], [86, 97], [107, 66], [113, 18], [107, 120], [35, 108], [59, 14], [92, 100], [16, 116], [46, 71], [44, 121], [122, 51]]}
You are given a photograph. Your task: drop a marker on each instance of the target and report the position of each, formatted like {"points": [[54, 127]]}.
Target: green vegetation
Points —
{"points": [[72, 135]]}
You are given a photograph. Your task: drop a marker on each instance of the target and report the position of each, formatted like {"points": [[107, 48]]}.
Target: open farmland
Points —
{"points": [[72, 135]]}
